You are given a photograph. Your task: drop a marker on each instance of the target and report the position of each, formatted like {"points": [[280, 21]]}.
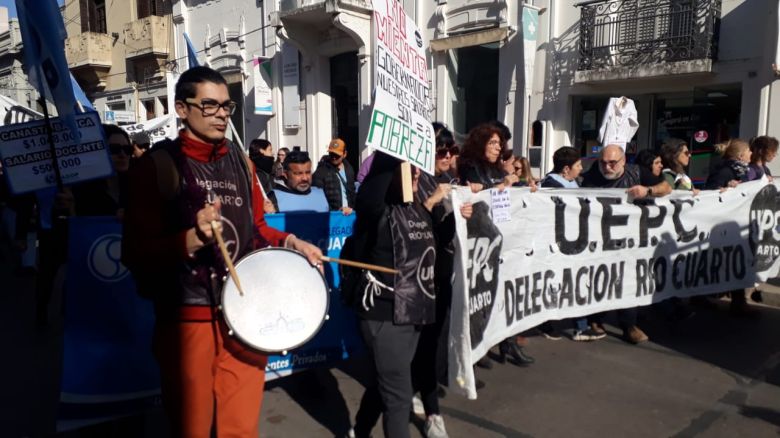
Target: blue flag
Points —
{"points": [[192, 54], [80, 96], [43, 34]]}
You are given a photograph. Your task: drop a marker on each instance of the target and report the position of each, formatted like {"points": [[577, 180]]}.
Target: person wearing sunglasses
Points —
{"points": [[106, 197], [611, 172], [676, 157], [177, 193]]}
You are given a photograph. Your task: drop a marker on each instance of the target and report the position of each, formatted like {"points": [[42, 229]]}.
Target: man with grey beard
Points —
{"points": [[612, 172]]}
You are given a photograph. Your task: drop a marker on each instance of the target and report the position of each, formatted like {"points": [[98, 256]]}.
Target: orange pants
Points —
{"points": [[206, 373]]}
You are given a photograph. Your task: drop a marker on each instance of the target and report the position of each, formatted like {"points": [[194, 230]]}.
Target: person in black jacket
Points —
{"points": [[262, 155], [480, 168], [335, 176], [733, 168], [612, 172], [732, 171], [391, 308]]}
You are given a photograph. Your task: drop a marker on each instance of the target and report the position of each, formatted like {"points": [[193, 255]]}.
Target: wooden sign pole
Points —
{"points": [[406, 182]]}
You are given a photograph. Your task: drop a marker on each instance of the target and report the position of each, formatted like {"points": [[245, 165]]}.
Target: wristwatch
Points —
{"points": [[649, 191]]}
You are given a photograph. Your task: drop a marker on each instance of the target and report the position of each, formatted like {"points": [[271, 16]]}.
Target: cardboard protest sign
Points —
{"points": [[400, 120], [27, 157]]}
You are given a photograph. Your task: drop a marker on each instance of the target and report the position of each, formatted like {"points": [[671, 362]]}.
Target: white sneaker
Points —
{"points": [[434, 427], [417, 406]]}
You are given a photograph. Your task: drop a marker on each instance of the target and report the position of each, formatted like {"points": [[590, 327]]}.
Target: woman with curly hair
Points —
{"points": [[480, 165], [481, 168]]}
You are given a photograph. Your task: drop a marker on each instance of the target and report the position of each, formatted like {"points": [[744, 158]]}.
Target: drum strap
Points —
{"points": [[373, 287]]}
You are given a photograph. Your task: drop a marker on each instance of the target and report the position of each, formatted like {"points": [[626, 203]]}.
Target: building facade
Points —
{"points": [[119, 52], [697, 70], [13, 81], [690, 66], [228, 35]]}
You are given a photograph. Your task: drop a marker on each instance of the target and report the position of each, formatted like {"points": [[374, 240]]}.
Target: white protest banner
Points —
{"points": [[574, 252], [400, 120], [261, 70], [158, 128], [26, 156]]}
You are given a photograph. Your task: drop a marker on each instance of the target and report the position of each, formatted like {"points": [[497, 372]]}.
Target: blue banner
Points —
{"points": [[107, 364], [339, 338], [108, 369]]}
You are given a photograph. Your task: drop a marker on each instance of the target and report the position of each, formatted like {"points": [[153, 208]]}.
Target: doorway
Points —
{"points": [[345, 107], [477, 80]]}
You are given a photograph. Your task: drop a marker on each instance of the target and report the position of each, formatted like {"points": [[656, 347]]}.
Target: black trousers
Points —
{"points": [[389, 392]]}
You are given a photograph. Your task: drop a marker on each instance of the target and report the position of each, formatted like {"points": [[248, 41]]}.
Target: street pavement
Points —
{"points": [[710, 376]]}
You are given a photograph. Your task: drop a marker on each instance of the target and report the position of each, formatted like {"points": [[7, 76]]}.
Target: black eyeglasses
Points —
{"points": [[116, 148], [210, 107]]}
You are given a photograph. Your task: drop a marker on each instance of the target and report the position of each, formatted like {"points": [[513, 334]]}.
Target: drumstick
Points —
{"points": [[226, 256], [359, 265]]}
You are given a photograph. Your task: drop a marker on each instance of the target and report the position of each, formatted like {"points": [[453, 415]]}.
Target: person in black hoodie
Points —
{"points": [[262, 155], [392, 308]]}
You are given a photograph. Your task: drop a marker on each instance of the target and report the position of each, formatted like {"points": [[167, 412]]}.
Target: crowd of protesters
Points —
{"points": [[405, 330]]}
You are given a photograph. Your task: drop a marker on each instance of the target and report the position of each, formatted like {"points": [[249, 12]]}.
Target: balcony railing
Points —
{"points": [[288, 6], [89, 49], [629, 33], [147, 36]]}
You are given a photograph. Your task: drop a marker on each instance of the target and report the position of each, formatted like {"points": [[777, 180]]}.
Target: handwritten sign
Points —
{"points": [[400, 120], [500, 205]]}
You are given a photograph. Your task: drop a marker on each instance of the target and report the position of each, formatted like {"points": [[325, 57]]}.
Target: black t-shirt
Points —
{"points": [[594, 178]]}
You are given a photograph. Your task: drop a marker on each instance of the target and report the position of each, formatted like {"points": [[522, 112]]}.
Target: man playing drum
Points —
{"points": [[209, 379]]}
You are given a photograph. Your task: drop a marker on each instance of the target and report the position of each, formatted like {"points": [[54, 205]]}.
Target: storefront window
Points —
{"points": [[703, 117]]}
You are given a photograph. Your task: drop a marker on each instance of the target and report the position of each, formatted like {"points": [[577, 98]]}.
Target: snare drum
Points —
{"points": [[285, 300]]}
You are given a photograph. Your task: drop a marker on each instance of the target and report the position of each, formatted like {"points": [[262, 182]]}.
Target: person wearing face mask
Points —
{"points": [[262, 155]]}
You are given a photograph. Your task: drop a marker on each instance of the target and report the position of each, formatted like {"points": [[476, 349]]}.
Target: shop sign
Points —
{"points": [[700, 136]]}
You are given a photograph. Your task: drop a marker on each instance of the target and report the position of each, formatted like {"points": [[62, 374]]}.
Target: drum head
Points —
{"points": [[284, 304]]}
